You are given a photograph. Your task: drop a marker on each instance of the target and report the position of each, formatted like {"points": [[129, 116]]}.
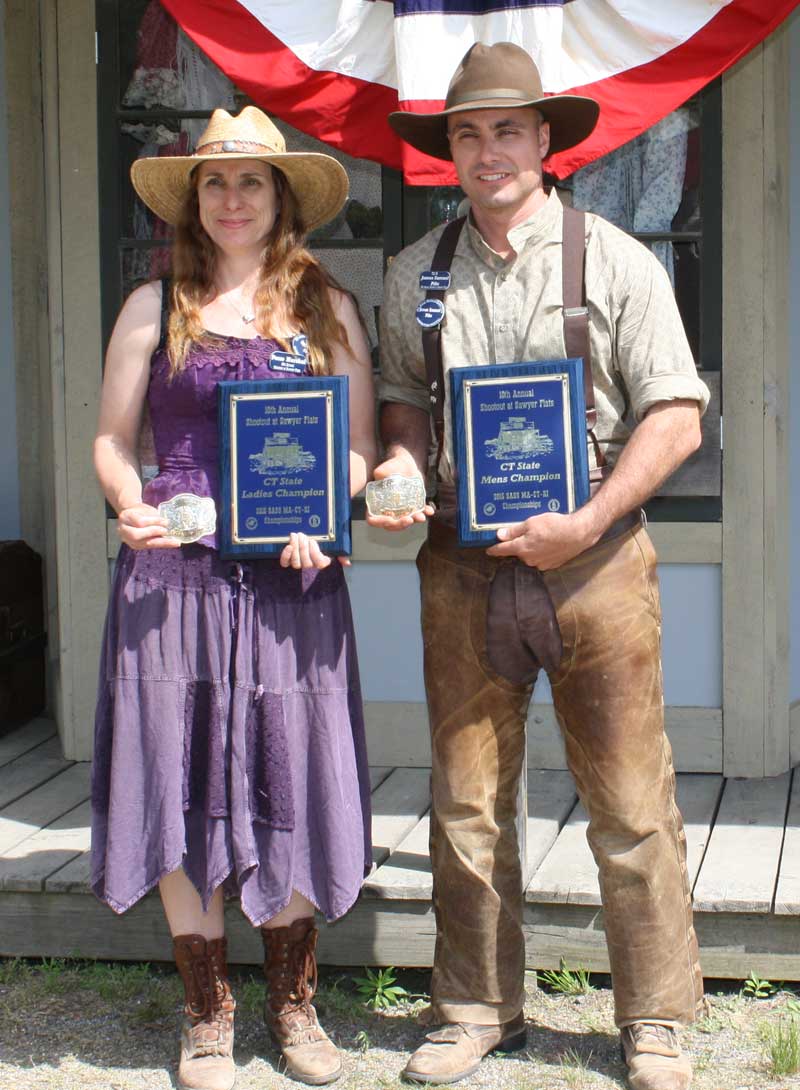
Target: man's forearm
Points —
{"points": [[405, 428]]}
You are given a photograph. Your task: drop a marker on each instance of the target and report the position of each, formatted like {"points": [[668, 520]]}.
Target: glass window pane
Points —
{"points": [[160, 67], [360, 272], [650, 184], [362, 216]]}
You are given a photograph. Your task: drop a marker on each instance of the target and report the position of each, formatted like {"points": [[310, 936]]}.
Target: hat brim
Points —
{"points": [[571, 118], [319, 182]]}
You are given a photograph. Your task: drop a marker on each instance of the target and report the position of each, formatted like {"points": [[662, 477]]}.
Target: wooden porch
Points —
{"points": [[743, 848]]}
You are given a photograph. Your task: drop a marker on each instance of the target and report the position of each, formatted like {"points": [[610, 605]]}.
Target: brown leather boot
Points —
{"points": [[654, 1058], [456, 1050], [206, 1061], [290, 967]]}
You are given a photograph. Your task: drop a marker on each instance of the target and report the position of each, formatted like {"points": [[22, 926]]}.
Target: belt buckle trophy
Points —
{"points": [[189, 517], [395, 496]]}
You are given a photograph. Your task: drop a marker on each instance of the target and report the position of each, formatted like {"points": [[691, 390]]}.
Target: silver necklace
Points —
{"points": [[246, 319]]}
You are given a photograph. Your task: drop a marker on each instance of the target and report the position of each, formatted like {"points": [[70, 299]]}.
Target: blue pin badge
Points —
{"points": [[288, 363], [434, 280], [430, 313], [300, 345]]}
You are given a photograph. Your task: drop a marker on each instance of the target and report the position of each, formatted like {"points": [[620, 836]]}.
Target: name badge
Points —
{"points": [[288, 363], [434, 280], [430, 313]]}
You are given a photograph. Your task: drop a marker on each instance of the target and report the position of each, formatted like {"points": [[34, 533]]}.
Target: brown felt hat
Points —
{"points": [[492, 77], [319, 182]]}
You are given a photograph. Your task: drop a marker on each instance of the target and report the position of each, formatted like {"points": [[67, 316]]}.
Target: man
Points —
{"points": [[597, 593]]}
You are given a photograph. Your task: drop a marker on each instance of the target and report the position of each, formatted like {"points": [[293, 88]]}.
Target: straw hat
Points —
{"points": [[319, 182], [492, 77]]}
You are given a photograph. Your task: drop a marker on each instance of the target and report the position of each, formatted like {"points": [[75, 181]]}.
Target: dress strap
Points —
{"points": [[166, 300]]}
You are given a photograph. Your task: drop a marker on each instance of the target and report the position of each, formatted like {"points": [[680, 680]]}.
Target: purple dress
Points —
{"points": [[229, 736]]}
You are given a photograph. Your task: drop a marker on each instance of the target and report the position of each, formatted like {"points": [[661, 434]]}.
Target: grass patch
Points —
{"points": [[114, 981], [574, 1068], [567, 981], [14, 971], [782, 1045], [249, 995]]}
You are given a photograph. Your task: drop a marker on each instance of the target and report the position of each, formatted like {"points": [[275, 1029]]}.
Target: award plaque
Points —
{"points": [[519, 434], [284, 464]]}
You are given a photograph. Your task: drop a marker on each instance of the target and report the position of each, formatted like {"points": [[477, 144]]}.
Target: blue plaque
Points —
{"points": [[519, 433], [284, 464]]}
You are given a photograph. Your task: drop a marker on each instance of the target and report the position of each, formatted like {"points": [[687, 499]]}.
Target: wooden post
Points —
{"points": [[68, 66], [756, 392]]}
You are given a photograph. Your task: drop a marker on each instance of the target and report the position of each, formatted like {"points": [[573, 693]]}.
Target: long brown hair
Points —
{"points": [[291, 282]]}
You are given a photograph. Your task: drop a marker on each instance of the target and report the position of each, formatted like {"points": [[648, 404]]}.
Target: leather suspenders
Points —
{"points": [[432, 338], [576, 320], [576, 315]]}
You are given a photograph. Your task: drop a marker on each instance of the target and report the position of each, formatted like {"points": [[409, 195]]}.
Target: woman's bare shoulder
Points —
{"points": [[140, 317]]}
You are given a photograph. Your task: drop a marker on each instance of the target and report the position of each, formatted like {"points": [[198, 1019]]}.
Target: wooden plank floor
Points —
{"points": [[743, 845]]}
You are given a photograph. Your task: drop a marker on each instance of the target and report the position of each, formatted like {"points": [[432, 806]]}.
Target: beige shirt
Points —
{"points": [[501, 311]]}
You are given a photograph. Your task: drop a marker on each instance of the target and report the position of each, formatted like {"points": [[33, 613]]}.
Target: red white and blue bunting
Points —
{"points": [[336, 68]]}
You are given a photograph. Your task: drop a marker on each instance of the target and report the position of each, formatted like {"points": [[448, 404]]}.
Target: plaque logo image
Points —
{"points": [[282, 451], [519, 435], [284, 464]]}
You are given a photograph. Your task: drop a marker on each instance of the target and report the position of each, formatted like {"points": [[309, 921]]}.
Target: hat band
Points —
{"points": [[222, 147], [494, 92]]}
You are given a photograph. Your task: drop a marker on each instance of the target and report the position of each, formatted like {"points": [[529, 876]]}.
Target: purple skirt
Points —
{"points": [[229, 737]]}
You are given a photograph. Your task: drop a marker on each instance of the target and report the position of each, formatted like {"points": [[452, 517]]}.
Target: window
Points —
{"points": [[156, 92]]}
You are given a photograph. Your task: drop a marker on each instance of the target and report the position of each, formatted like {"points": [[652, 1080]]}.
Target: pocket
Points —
{"points": [[649, 560]]}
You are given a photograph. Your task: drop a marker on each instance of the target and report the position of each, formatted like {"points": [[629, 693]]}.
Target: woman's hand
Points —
{"points": [[141, 527], [304, 552]]}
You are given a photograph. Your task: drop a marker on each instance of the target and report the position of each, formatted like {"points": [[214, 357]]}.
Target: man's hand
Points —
{"points": [[545, 541], [400, 464]]}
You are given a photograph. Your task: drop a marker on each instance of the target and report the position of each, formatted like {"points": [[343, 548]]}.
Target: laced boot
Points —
{"points": [[290, 967], [206, 1061], [654, 1058]]}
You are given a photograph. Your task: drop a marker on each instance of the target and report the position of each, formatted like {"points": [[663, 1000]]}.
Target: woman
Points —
{"points": [[229, 746]]}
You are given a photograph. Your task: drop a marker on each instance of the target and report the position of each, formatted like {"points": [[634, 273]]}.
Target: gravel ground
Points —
{"points": [[77, 1026]]}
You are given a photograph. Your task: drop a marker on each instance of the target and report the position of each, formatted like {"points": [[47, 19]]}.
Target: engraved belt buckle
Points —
{"points": [[189, 517], [395, 496]]}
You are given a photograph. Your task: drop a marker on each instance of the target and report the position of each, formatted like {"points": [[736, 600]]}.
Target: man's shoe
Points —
{"points": [[456, 1050], [654, 1058]]}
